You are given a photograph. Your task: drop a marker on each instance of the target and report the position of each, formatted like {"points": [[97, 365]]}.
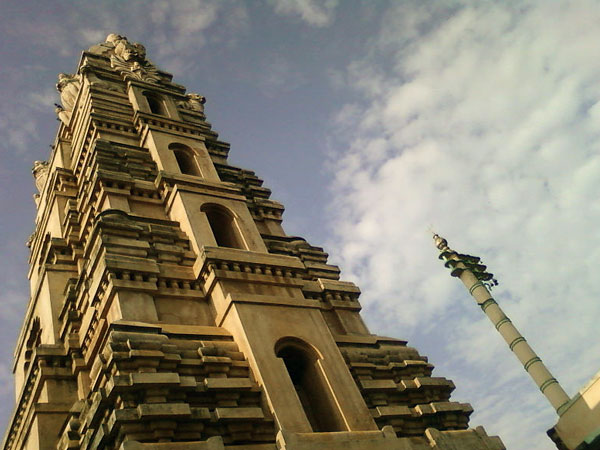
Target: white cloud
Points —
{"points": [[480, 119], [318, 13]]}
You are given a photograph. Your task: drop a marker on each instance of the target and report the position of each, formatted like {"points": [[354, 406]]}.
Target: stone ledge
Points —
{"points": [[228, 383], [369, 339], [239, 413], [245, 256], [164, 410], [346, 440], [213, 443]]}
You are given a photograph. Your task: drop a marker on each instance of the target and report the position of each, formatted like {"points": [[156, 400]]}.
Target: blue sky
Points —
{"points": [[372, 122]]}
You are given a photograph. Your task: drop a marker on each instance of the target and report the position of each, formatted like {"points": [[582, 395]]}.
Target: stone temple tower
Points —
{"points": [[169, 309]]}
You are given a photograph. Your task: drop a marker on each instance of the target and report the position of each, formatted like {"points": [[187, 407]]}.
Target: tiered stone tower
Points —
{"points": [[169, 309]]}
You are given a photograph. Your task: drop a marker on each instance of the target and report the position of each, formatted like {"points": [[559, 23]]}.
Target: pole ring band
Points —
{"points": [[489, 302], [502, 322], [516, 341], [547, 383], [475, 286], [533, 360]]}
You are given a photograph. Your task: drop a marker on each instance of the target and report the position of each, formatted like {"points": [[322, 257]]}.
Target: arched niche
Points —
{"points": [[186, 160], [155, 103], [302, 362], [223, 225]]}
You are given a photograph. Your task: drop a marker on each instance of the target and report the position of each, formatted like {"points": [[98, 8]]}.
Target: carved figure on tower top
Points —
{"points": [[63, 115], [130, 52], [68, 86], [130, 59], [194, 102], [113, 38], [40, 173]]}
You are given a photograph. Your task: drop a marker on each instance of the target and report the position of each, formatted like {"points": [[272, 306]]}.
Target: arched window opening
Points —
{"points": [[185, 159], [302, 364], [155, 103], [223, 226]]}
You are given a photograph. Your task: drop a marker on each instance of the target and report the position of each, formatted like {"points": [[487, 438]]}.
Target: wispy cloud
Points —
{"points": [[6, 380], [18, 129], [318, 13], [279, 76], [172, 29], [43, 100], [480, 119], [13, 303]]}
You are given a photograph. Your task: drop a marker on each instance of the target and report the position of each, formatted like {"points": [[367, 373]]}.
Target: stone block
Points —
{"points": [[228, 383], [239, 413], [378, 385], [462, 440], [151, 379], [393, 411], [347, 440], [213, 443], [164, 410]]}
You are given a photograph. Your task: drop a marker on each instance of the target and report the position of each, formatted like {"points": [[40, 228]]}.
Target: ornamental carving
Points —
{"points": [[40, 173], [130, 59], [193, 102], [68, 87]]}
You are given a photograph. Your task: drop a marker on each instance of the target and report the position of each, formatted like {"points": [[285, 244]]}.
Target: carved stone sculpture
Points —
{"points": [[63, 115], [130, 59], [40, 173], [194, 102], [114, 38], [130, 52], [107, 47], [68, 85]]}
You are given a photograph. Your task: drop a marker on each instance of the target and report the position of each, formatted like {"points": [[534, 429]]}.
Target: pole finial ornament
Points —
{"points": [[440, 242], [459, 262]]}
